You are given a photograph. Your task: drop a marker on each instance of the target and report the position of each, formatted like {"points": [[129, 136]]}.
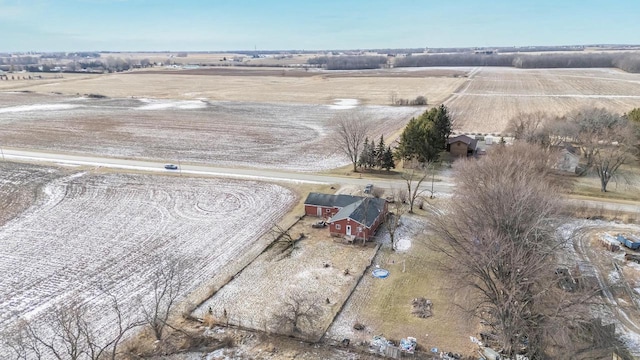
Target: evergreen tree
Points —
{"points": [[363, 159], [409, 140], [388, 162], [426, 136], [380, 153], [371, 155], [442, 126]]}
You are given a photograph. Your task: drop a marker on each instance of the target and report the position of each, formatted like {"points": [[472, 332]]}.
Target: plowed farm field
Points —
{"points": [[492, 96], [285, 136], [86, 232], [263, 84]]}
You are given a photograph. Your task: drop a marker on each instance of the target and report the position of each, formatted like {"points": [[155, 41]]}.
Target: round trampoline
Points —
{"points": [[380, 273]]}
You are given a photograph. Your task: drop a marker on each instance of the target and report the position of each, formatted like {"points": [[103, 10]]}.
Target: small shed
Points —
{"points": [[568, 161]]}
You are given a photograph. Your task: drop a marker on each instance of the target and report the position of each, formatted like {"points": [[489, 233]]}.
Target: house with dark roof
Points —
{"points": [[462, 146], [356, 217]]}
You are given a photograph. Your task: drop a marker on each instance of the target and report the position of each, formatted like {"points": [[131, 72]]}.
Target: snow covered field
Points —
{"points": [[86, 232], [263, 135]]}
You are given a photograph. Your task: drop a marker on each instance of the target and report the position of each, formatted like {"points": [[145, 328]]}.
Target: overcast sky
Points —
{"points": [[209, 25]]}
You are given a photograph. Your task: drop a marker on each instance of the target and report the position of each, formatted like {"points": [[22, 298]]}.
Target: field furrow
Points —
{"points": [[92, 232]]}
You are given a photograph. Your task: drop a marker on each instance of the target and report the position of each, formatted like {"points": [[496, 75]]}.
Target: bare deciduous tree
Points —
{"points": [[282, 235], [498, 233], [527, 126], [607, 142], [392, 222], [68, 334], [299, 313], [166, 286], [351, 128], [414, 179]]}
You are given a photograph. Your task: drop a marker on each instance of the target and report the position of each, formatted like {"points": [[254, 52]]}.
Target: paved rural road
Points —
{"points": [[441, 187], [20, 155]]}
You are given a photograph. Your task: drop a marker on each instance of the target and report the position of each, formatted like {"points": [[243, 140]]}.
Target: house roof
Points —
{"points": [[471, 143], [364, 210], [330, 200]]}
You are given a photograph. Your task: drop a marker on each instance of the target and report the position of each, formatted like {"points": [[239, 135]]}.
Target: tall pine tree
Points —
{"points": [[426, 136], [388, 162], [380, 151]]}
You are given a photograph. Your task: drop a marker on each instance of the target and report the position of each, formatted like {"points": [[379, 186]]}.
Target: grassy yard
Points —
{"points": [[449, 328], [384, 305], [625, 189]]}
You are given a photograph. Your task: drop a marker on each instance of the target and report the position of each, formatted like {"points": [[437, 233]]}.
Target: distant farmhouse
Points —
{"points": [[462, 146], [354, 217]]}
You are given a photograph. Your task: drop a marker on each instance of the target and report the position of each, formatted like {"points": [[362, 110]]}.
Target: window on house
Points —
{"points": [[337, 226]]}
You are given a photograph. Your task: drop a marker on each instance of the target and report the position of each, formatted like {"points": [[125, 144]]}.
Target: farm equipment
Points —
{"points": [[632, 257], [631, 242], [319, 225], [610, 242]]}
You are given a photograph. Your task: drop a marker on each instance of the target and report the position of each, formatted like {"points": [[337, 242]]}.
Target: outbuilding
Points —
{"points": [[462, 146]]}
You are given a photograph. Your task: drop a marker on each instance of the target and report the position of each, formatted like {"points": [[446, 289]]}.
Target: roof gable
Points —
{"points": [[471, 143], [365, 211]]}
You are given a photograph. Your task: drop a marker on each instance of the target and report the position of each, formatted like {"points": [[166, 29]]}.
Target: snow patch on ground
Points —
{"points": [[153, 104], [614, 277], [410, 227], [633, 265], [403, 245], [344, 104], [38, 107], [631, 340]]}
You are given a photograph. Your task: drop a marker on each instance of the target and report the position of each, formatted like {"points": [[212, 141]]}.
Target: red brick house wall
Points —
{"points": [[339, 228], [312, 210]]}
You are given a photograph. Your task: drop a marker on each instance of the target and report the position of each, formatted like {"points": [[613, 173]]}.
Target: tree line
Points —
{"points": [[376, 156], [348, 62], [109, 64], [626, 62], [629, 62]]}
